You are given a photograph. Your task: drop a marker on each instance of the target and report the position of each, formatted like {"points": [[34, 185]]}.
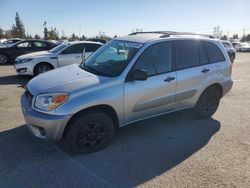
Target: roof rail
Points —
{"points": [[169, 33]]}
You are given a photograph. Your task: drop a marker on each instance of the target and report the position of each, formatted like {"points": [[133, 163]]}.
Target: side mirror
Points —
{"points": [[140, 74]]}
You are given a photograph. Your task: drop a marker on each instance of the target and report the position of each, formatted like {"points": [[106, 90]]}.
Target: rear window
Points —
{"points": [[186, 54], [213, 52], [92, 47]]}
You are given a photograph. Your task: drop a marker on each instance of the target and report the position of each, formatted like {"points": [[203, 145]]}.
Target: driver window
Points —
{"points": [[74, 49], [24, 45], [156, 59]]}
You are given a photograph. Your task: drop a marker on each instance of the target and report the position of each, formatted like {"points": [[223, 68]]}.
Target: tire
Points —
{"points": [[208, 103], [41, 68], [4, 59], [89, 132]]}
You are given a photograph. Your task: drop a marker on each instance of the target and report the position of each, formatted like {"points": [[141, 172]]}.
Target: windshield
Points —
{"points": [[112, 58], [58, 48]]}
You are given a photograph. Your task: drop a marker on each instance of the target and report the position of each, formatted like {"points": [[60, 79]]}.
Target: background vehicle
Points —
{"points": [[10, 53], [244, 47], [236, 45], [65, 54], [128, 79], [230, 49], [10, 42]]}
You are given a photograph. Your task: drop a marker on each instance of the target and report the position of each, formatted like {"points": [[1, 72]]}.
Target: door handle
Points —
{"points": [[169, 79], [205, 70]]}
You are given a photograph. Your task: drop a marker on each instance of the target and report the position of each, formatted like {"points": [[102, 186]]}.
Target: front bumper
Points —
{"points": [[23, 69], [42, 125]]}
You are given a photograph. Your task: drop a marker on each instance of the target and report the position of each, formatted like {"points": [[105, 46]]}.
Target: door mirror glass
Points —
{"points": [[140, 74]]}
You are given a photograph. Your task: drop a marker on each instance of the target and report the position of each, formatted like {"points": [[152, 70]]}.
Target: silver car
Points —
{"points": [[126, 80]]}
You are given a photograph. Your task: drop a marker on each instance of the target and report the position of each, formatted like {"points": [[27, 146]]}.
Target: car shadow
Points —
{"points": [[14, 80], [138, 153]]}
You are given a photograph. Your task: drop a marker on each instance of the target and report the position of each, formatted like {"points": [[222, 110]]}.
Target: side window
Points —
{"points": [[92, 47], [24, 45], [213, 51], [203, 55], [38, 44], [186, 54], [156, 59], [74, 49]]}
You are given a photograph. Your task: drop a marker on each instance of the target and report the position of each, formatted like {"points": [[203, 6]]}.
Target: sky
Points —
{"points": [[120, 17]]}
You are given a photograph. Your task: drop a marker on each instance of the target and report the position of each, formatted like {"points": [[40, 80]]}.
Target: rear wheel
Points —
{"points": [[208, 103], [3, 59], [89, 133], [42, 67]]}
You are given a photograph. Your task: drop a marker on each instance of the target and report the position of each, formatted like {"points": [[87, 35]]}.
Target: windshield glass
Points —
{"points": [[58, 48], [112, 58]]}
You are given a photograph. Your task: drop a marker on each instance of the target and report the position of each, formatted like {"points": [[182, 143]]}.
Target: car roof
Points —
{"points": [[143, 37], [83, 41]]}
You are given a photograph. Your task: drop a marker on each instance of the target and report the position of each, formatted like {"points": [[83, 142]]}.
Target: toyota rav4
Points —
{"points": [[128, 79]]}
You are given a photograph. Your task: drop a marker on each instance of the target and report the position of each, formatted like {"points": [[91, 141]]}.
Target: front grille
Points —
{"points": [[29, 96]]}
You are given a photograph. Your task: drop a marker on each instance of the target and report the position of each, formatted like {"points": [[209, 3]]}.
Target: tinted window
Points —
{"points": [[74, 49], [24, 45], [92, 47], [203, 55], [156, 59], [214, 53], [39, 44], [186, 54]]}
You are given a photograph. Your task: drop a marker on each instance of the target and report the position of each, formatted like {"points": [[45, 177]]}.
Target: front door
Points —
{"points": [[71, 55], [155, 95]]}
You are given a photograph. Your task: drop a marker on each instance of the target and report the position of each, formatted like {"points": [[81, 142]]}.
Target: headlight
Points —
{"points": [[24, 60], [50, 101]]}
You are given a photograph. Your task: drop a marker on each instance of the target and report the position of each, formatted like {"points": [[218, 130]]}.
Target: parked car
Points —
{"points": [[10, 42], [126, 80], [230, 49], [10, 53], [244, 47], [236, 45], [65, 54]]}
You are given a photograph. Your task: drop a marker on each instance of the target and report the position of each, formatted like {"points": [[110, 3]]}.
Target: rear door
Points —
{"points": [[195, 69], [71, 55], [156, 94]]}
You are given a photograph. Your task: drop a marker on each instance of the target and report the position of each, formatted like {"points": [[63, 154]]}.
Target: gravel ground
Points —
{"points": [[174, 150]]}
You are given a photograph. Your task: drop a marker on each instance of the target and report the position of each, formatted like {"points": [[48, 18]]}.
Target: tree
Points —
{"points": [[248, 38], [1, 33], [18, 29], [224, 37], [235, 36], [53, 34], [28, 36], [37, 36], [243, 39], [73, 37]]}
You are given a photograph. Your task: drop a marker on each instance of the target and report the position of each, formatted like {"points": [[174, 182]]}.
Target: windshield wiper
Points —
{"points": [[93, 70]]}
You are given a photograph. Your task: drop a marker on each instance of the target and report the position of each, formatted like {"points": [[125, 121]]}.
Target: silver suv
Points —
{"points": [[128, 79]]}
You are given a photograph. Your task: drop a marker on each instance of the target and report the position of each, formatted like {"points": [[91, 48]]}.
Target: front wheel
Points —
{"points": [[89, 133], [208, 103], [41, 68]]}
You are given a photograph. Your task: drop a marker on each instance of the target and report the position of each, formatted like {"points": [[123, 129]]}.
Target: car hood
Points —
{"points": [[35, 54], [65, 79]]}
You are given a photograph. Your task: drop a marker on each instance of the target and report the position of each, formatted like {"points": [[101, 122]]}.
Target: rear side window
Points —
{"points": [[213, 52], [156, 59], [92, 47], [186, 54], [39, 44], [74, 49]]}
